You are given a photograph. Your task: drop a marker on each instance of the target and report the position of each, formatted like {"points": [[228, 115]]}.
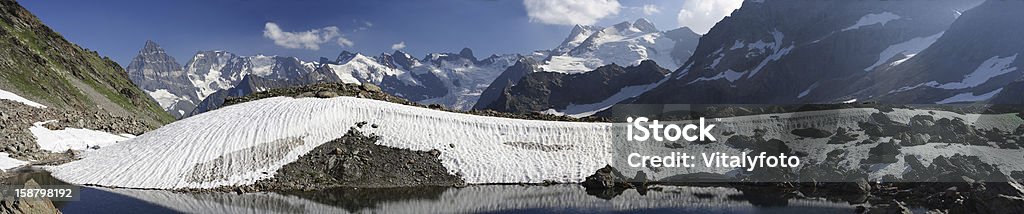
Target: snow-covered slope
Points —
{"points": [[250, 141], [624, 44], [359, 69], [211, 71], [454, 80], [467, 79], [243, 143]]}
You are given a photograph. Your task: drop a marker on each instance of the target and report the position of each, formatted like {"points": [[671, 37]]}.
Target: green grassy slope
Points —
{"points": [[41, 65]]}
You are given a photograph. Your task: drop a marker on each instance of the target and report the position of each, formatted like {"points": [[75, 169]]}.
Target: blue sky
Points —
{"points": [[119, 28]]}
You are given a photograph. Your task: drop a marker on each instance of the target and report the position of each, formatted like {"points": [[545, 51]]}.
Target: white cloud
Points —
{"points": [[343, 42], [368, 23], [570, 12], [701, 15], [311, 39], [398, 46], [650, 9]]}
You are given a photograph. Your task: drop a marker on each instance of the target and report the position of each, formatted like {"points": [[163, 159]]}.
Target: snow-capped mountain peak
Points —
{"points": [[626, 43]]}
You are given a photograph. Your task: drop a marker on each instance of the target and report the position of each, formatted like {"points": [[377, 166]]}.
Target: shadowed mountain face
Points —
{"points": [[811, 52], [592, 69], [39, 64], [976, 59], [579, 93]]}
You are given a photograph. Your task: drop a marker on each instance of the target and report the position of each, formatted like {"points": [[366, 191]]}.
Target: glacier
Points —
{"points": [[873, 19], [255, 139]]}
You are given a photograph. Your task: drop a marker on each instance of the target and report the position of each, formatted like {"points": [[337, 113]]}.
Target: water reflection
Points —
{"points": [[471, 199]]}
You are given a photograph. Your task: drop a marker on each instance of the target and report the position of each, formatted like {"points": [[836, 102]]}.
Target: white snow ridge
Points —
{"points": [[243, 143]]}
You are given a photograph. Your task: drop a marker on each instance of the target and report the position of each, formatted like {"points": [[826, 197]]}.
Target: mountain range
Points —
{"points": [[454, 80], [766, 52]]}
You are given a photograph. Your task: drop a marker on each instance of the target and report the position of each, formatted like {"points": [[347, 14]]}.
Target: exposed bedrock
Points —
{"points": [[356, 161]]}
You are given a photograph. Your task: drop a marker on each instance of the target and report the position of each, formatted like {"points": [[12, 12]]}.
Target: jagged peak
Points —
{"points": [[345, 56], [578, 29], [645, 25], [467, 53], [151, 44], [151, 48]]}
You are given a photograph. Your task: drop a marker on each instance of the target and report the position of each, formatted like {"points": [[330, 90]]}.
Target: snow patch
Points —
{"points": [[5, 95], [165, 98], [72, 138], [571, 65], [969, 97], [6, 162], [729, 75], [908, 49], [584, 110], [989, 69], [808, 90], [873, 19], [775, 56]]}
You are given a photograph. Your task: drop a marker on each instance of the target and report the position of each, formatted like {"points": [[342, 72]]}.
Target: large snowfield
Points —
{"points": [[241, 144], [247, 142]]}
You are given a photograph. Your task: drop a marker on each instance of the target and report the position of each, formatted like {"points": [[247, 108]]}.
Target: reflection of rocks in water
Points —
{"points": [[361, 199], [765, 195], [1019, 175], [829, 179], [482, 198], [607, 183]]}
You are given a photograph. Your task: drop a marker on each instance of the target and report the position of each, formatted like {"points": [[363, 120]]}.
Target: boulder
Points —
{"points": [[842, 137], [326, 94], [883, 153]]}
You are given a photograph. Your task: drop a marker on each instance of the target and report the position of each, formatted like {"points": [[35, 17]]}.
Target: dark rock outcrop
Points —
{"points": [[540, 91], [356, 161]]}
